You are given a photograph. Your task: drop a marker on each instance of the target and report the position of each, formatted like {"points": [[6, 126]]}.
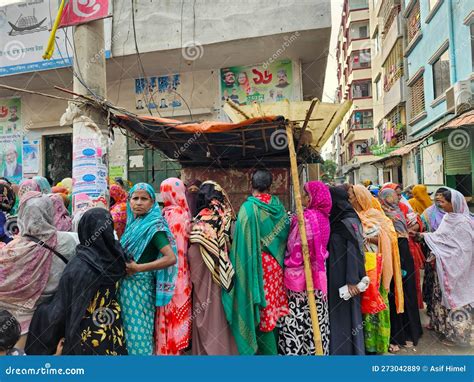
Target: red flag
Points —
{"points": [[83, 11]]}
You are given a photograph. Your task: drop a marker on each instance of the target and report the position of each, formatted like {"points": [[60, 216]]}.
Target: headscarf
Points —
{"points": [[62, 220], [43, 184], [24, 265], [341, 208], [421, 200], [192, 190], [372, 216], [176, 212], [453, 246], [26, 186], [394, 187], [138, 234], [316, 216], [7, 197], [119, 209], [67, 184], [389, 200], [211, 230], [99, 262]]}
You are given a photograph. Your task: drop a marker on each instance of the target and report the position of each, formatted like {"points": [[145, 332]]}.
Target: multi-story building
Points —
{"points": [[440, 63], [355, 83], [387, 29], [175, 62]]}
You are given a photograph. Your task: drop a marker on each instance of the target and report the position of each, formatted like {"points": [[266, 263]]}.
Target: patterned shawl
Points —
{"points": [[373, 217], [389, 200], [176, 213], [421, 200], [26, 186], [211, 230], [43, 184], [316, 216], [24, 265], [432, 218], [138, 234], [453, 246], [119, 209], [62, 220]]}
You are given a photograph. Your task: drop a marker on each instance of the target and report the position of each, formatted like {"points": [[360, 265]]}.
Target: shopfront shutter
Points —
{"points": [[457, 161]]}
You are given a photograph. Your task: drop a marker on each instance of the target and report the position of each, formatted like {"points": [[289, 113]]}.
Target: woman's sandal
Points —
{"points": [[409, 345], [393, 348]]}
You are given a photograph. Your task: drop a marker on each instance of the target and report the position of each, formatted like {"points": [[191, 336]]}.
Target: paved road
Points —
{"points": [[430, 345]]}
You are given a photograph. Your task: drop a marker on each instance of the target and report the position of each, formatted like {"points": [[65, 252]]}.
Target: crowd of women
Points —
{"points": [[195, 278]]}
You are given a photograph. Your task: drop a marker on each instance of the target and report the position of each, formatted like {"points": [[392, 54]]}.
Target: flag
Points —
{"points": [[75, 12]]}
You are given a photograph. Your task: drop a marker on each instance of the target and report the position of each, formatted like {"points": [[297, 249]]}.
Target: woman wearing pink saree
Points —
{"points": [[296, 334], [173, 321]]}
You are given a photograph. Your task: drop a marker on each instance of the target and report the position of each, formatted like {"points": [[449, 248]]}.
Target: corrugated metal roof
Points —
{"points": [[466, 119]]}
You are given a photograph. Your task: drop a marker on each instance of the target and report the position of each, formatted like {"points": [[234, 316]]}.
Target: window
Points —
{"points": [[377, 43], [360, 60], [389, 11], [472, 46], [393, 66], [358, 4], [413, 22], [359, 148], [359, 30], [362, 119], [361, 89], [417, 97], [441, 74]]}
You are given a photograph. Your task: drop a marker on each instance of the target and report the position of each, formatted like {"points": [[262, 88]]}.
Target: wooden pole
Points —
{"points": [[304, 241]]}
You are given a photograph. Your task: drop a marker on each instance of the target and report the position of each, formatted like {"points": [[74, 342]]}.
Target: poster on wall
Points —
{"points": [[30, 156], [158, 93], [11, 157], [246, 84], [24, 32], [433, 164], [89, 172], [10, 116]]}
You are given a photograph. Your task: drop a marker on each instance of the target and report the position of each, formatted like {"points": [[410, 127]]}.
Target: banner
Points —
{"points": [[30, 157], [261, 83], [11, 157], [158, 93], [10, 116], [24, 34], [81, 12]]}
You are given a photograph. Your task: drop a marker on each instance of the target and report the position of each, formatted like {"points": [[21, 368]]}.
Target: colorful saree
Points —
{"points": [[141, 293], [260, 227], [173, 321]]}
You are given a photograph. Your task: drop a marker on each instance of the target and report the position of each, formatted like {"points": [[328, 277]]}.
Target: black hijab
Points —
{"points": [[341, 207], [99, 261]]}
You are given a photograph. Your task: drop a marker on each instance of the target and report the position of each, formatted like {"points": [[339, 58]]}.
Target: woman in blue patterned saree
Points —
{"points": [[151, 268]]}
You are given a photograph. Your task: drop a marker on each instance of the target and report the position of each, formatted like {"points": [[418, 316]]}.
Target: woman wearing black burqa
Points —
{"points": [[84, 313], [345, 265]]}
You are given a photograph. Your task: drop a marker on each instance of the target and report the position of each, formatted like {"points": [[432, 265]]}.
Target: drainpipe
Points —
{"points": [[452, 44]]}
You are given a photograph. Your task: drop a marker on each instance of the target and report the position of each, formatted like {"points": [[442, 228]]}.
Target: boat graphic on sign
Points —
{"points": [[27, 24]]}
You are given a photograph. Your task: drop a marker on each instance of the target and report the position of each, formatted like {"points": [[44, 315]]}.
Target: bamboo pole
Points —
{"points": [[304, 241]]}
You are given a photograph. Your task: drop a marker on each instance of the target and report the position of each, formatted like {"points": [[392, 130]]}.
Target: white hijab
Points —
{"points": [[453, 246]]}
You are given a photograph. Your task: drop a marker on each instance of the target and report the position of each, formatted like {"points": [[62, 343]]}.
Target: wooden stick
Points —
{"points": [[234, 106], [305, 123], [304, 241], [34, 92]]}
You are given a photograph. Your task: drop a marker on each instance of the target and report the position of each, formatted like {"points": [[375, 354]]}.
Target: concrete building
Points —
{"points": [[440, 61], [188, 54], [387, 30], [354, 56]]}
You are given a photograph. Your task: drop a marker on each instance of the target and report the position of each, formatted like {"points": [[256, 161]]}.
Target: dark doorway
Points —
{"points": [[58, 156]]}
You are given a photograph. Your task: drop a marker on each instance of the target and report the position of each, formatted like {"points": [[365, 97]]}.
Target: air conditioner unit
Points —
{"points": [[459, 97]]}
